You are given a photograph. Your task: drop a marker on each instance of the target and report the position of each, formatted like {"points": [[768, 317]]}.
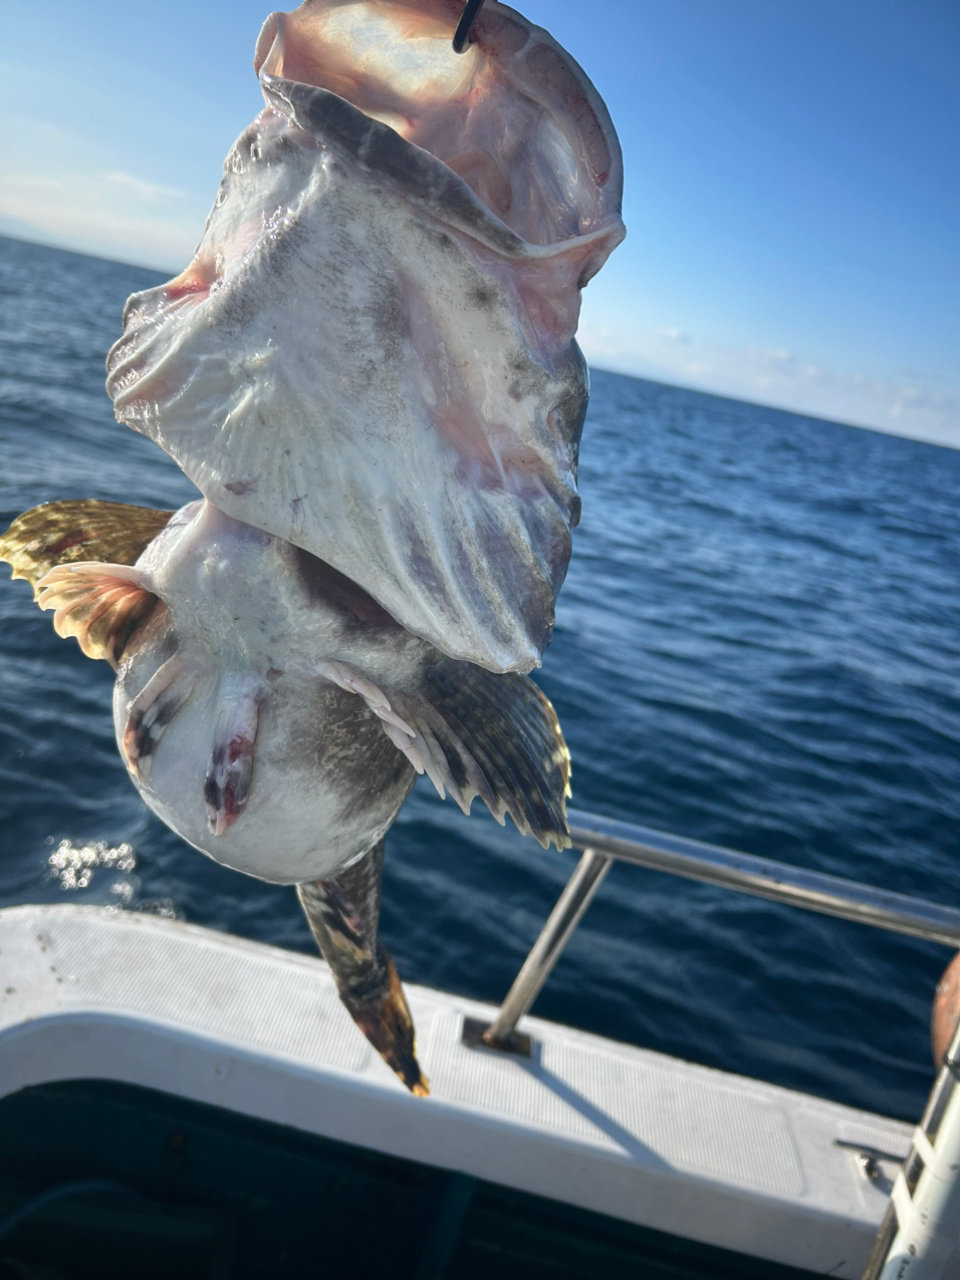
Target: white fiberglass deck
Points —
{"points": [[637, 1135]]}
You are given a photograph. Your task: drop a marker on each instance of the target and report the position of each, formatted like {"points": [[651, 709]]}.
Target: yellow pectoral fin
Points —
{"points": [[59, 533]]}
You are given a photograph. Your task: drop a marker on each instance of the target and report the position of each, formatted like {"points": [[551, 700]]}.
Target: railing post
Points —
{"points": [[920, 1233], [546, 951]]}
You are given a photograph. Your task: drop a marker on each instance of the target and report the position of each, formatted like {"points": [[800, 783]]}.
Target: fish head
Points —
{"points": [[372, 354]]}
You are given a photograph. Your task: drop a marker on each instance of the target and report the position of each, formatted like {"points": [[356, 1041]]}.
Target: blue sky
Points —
{"points": [[792, 197]]}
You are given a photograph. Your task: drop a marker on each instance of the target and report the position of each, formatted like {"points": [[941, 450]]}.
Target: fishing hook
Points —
{"points": [[461, 37]]}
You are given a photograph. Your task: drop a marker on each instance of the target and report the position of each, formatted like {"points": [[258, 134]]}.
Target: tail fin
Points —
{"points": [[344, 917]]}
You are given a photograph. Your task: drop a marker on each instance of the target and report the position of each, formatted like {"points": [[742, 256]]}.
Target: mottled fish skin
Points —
{"points": [[229, 730], [344, 918], [372, 354], [274, 715]]}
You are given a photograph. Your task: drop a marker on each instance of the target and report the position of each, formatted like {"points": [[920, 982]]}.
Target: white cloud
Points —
{"points": [[112, 215], [152, 191], [905, 402]]}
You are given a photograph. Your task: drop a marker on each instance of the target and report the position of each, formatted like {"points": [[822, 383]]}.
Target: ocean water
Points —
{"points": [[756, 646]]}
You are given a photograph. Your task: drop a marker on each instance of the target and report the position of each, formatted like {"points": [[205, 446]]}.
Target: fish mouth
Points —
{"points": [[372, 353], [512, 121]]}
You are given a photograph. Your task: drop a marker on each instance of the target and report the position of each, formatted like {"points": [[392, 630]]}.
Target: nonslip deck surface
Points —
{"points": [[599, 1141]]}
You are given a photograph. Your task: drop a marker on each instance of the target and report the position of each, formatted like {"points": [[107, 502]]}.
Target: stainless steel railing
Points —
{"points": [[603, 841], [923, 1216]]}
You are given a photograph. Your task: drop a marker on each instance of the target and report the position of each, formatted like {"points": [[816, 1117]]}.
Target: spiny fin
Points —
{"points": [[101, 604], [65, 532], [340, 673], [499, 738], [478, 733]]}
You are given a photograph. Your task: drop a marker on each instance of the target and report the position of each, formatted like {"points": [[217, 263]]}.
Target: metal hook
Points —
{"points": [[461, 37]]}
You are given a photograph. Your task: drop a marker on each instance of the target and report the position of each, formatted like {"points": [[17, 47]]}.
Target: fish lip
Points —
{"points": [[424, 179], [508, 54], [121, 362]]}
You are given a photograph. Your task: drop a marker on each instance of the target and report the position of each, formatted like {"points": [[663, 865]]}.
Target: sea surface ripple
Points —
{"points": [[756, 646]]}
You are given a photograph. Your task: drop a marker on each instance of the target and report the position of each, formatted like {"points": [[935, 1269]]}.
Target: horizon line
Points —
{"points": [[598, 368]]}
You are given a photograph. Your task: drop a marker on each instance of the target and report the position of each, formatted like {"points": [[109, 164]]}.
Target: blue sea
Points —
{"points": [[757, 646]]}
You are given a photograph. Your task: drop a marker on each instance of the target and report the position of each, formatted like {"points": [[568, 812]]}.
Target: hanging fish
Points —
{"points": [[275, 716], [372, 353]]}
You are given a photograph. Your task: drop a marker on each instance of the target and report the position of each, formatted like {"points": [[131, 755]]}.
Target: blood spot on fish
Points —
{"points": [[500, 37], [238, 747], [196, 279]]}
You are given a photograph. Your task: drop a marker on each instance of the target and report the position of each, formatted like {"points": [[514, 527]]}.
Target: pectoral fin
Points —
{"points": [[497, 737], [397, 730], [476, 733], [102, 605]]}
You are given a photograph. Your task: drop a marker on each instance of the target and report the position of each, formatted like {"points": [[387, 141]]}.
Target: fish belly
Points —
{"points": [[324, 785]]}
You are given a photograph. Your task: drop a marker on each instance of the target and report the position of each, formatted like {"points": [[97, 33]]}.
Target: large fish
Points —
{"points": [[275, 716], [372, 353]]}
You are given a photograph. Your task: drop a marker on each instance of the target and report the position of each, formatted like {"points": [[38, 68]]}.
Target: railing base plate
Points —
{"points": [[517, 1043]]}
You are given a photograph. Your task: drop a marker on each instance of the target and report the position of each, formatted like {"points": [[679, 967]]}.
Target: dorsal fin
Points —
{"points": [[65, 532]]}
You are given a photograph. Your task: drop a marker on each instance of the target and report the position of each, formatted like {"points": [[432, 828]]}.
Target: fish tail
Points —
{"points": [[346, 930]]}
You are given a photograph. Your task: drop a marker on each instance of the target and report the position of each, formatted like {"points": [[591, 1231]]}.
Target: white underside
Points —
{"points": [[633, 1134]]}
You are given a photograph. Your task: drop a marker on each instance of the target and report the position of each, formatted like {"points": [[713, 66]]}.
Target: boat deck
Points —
{"points": [[119, 1032]]}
